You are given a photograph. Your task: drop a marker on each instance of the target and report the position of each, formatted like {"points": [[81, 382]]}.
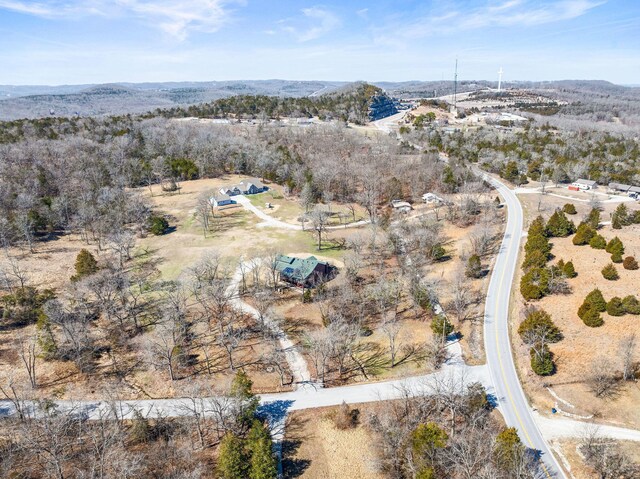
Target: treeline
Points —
{"points": [[79, 179], [542, 153], [351, 104]]}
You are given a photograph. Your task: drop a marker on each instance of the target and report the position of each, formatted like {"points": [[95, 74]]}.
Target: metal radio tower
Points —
{"points": [[455, 86]]}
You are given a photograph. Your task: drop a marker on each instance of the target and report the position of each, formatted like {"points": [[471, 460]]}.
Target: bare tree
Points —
{"points": [[627, 351], [319, 220], [29, 354]]}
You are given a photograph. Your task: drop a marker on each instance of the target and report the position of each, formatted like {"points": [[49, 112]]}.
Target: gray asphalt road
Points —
{"points": [[511, 399]]}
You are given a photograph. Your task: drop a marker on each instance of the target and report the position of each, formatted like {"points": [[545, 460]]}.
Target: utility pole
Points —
{"points": [[455, 88], [500, 72]]}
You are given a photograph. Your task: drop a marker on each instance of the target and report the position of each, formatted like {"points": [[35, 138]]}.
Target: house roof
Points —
{"points": [[635, 189], [619, 186], [251, 181], [220, 197], [297, 268], [400, 204], [582, 181]]}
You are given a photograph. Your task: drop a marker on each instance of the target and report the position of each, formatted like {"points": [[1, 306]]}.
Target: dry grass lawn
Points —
{"points": [[315, 449], [583, 345]]}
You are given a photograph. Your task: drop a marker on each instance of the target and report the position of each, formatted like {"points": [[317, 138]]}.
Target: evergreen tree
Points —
{"points": [[508, 449], [537, 242], [263, 463], [593, 219], [559, 225], [232, 459], [542, 360], [158, 225], [569, 270], [141, 430], [621, 216], [441, 326], [596, 299], [610, 272], [615, 246], [426, 439], [474, 266], [583, 235], [534, 259], [538, 324], [535, 284], [85, 265], [537, 227], [598, 242], [615, 307], [570, 209], [631, 304], [592, 318], [510, 172]]}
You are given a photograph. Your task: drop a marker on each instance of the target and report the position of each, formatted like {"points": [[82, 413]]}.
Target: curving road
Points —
{"points": [[511, 399]]}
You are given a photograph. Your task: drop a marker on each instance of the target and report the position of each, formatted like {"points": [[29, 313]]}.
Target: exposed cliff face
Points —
{"points": [[381, 106]]}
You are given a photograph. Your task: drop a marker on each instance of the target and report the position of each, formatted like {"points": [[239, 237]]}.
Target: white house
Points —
{"points": [[401, 206], [431, 198], [245, 187], [583, 184], [221, 200]]}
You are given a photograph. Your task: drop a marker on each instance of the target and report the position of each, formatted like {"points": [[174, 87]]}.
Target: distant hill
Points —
{"points": [[116, 99]]}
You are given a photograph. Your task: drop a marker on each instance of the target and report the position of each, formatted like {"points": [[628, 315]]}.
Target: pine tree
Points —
{"points": [[569, 270], [538, 324], [570, 209], [263, 463], [610, 272], [542, 360], [621, 216], [615, 307], [594, 218], [596, 299], [591, 317], [510, 172], [598, 242], [474, 266], [232, 459], [85, 265], [508, 449], [583, 235], [615, 246], [631, 304], [535, 284], [559, 225], [441, 326]]}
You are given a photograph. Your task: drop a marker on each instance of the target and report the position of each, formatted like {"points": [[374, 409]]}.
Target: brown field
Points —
{"points": [[569, 448], [315, 449], [582, 345]]}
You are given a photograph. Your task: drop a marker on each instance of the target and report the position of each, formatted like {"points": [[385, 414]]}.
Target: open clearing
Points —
{"points": [[582, 345]]}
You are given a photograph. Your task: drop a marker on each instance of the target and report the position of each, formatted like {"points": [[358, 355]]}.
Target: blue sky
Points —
{"points": [[99, 41]]}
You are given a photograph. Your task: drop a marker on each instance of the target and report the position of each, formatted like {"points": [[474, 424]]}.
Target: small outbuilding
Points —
{"points": [[582, 184], [619, 187], [431, 198]]}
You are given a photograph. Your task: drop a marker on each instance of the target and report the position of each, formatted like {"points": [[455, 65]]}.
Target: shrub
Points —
{"points": [[559, 225], [438, 252], [598, 242], [596, 299], [569, 208], [616, 258], [85, 265], [583, 235], [568, 270], [631, 304], [537, 242], [621, 216], [474, 266], [635, 217], [158, 225], [346, 418], [537, 226], [610, 272], [615, 307], [542, 361], [630, 263]]}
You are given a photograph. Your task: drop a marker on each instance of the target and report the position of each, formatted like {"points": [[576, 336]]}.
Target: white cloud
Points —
{"points": [[316, 23], [177, 18], [510, 13]]}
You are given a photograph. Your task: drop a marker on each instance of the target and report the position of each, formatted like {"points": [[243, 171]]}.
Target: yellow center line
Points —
{"points": [[504, 375]]}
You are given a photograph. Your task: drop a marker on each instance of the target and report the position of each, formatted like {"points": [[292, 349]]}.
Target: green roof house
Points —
{"points": [[304, 272]]}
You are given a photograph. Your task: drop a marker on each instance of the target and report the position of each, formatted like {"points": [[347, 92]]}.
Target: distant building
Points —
{"points": [[582, 184], [221, 200], [431, 198], [251, 186], [401, 206], [619, 187], [307, 272]]}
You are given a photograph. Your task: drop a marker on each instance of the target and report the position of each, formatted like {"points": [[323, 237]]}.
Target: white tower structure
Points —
{"points": [[500, 72]]}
